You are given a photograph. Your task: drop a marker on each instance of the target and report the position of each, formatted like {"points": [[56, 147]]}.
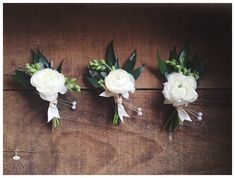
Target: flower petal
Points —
{"points": [[63, 90], [50, 98], [126, 95]]}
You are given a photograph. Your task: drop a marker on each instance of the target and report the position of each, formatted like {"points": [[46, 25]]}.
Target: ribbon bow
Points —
{"points": [[118, 99]]}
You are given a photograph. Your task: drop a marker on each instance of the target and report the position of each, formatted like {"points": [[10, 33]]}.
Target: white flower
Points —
{"points": [[120, 82], [180, 89], [49, 83]]}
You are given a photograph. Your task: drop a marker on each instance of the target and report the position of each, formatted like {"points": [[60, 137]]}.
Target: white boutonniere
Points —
{"points": [[179, 90], [48, 82], [116, 82]]}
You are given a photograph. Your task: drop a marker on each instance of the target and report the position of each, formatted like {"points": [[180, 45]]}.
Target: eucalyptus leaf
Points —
{"points": [[110, 55], [130, 63], [93, 81], [136, 73]]}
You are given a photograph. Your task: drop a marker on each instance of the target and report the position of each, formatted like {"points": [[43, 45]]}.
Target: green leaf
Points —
{"points": [[43, 60], [117, 64], [59, 68], [173, 54], [169, 120], [162, 66], [35, 57], [183, 57], [197, 65], [130, 63], [93, 81], [136, 73], [22, 78], [110, 55]]}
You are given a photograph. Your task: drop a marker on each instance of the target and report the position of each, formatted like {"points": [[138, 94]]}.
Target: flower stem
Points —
{"points": [[108, 66], [55, 122], [115, 117]]}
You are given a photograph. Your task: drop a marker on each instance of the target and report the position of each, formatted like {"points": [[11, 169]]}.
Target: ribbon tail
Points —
{"points": [[106, 94], [122, 112], [52, 112], [183, 115]]}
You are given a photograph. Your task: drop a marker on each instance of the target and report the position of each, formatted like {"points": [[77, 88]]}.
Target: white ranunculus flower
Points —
{"points": [[120, 82], [180, 89], [49, 83]]}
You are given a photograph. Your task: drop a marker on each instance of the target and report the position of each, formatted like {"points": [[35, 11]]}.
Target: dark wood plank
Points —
{"points": [[82, 31], [33, 163], [24, 125], [87, 143]]}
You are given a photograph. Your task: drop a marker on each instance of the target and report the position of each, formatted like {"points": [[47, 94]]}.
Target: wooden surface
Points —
{"points": [[86, 142]]}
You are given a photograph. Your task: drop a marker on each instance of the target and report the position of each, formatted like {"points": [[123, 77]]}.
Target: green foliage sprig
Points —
{"points": [[180, 62], [100, 68]]}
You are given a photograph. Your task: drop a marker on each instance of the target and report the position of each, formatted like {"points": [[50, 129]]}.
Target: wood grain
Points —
{"points": [[87, 143], [79, 32]]}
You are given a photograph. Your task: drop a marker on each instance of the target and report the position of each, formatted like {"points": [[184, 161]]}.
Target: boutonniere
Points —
{"points": [[179, 90], [48, 82], [116, 82]]}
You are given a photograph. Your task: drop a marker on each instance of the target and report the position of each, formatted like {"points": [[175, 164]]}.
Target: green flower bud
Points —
{"points": [[96, 64], [98, 68], [78, 90], [76, 87], [27, 66], [173, 62], [103, 68], [70, 86], [185, 70], [95, 61], [101, 81], [102, 61], [37, 66], [32, 70], [73, 80], [91, 63], [178, 66]]}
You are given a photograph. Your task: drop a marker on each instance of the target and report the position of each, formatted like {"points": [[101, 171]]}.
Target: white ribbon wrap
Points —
{"points": [[121, 110], [52, 111], [183, 115]]}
